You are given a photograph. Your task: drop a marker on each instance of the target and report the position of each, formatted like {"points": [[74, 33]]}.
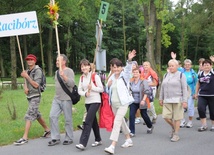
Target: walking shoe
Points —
{"points": [[46, 134], [175, 138], [20, 141], [198, 118], [202, 128], [128, 143], [66, 142], [154, 120], [183, 123], [132, 135], [137, 120], [81, 127], [212, 129], [109, 149], [53, 142], [80, 146], [189, 125], [150, 130], [96, 143]]}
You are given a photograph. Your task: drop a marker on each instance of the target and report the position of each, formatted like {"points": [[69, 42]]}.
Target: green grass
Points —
{"points": [[11, 130]]}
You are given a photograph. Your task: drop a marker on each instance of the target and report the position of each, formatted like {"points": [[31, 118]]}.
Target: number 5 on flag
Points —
{"points": [[103, 11]]}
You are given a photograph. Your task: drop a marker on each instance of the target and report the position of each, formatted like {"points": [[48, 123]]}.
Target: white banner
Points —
{"points": [[101, 60], [18, 24]]}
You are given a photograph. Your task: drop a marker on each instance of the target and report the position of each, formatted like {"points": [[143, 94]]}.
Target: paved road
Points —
{"points": [[192, 142]]}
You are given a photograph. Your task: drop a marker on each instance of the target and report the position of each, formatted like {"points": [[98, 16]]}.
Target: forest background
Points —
{"points": [[153, 27]]}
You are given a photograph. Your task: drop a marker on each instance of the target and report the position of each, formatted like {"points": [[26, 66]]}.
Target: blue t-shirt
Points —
{"points": [[192, 79]]}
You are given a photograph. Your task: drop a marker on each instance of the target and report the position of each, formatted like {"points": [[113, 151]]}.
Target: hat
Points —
{"points": [[31, 57]]}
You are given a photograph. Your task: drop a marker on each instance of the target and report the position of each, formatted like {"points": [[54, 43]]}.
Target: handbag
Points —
{"points": [[129, 96], [75, 97]]}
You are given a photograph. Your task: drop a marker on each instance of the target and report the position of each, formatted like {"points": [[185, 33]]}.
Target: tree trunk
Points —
{"points": [[196, 50], [2, 71], [158, 41], [49, 52], [25, 49], [41, 47], [124, 31], [150, 34], [13, 62], [68, 48]]}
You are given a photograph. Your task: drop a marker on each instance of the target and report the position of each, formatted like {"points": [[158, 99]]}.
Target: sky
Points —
{"points": [[176, 1]]}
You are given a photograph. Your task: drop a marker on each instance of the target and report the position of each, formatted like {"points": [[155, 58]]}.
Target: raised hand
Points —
{"points": [[131, 55], [173, 55]]}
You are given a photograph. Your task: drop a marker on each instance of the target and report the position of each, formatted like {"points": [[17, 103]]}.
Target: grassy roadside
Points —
{"points": [[11, 130]]}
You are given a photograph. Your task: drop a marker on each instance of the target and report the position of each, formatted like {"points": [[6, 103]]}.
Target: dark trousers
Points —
{"points": [[133, 108], [90, 122], [203, 102]]}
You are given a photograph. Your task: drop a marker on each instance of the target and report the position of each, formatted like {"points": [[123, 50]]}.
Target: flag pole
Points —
{"points": [[52, 2], [20, 52]]}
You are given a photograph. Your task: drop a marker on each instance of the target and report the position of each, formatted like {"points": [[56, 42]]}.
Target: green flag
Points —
{"points": [[103, 11]]}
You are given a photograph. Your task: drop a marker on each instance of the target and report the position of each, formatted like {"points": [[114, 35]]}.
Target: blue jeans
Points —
{"points": [[133, 108]]}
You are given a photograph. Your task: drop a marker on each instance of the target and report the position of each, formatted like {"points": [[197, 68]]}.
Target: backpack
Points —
{"points": [[42, 85], [150, 96]]}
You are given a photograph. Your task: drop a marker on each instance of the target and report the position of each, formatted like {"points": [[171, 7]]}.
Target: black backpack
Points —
{"points": [[42, 85]]}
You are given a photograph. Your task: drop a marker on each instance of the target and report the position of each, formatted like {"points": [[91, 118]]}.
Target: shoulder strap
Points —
{"points": [[180, 75], [125, 82], [165, 75], [63, 85], [93, 79]]}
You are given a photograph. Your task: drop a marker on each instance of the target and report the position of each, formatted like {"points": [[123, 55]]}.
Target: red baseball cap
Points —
{"points": [[31, 57]]}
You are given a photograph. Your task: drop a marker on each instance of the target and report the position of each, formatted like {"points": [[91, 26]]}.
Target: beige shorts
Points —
{"points": [[173, 111]]}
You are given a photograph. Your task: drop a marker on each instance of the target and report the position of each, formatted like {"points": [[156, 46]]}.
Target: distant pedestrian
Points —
{"points": [[62, 103], [151, 76], [33, 77], [140, 91], [192, 79], [173, 98]]}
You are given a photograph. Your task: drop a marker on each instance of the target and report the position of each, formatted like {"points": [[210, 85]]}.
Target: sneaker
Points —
{"points": [[212, 129], [81, 127], [197, 118], [20, 141], [53, 142], [132, 135], [189, 125], [154, 120], [150, 130], [128, 143], [66, 142], [202, 128], [183, 123], [80, 146], [46, 134], [96, 143], [109, 149], [137, 120], [175, 138]]}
